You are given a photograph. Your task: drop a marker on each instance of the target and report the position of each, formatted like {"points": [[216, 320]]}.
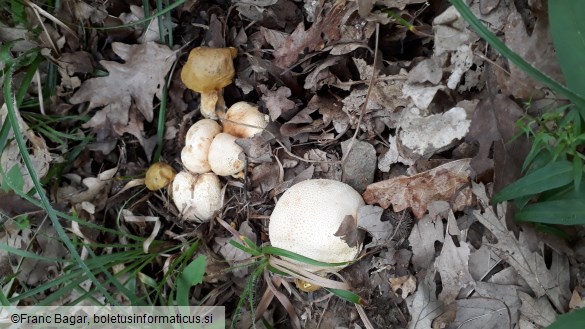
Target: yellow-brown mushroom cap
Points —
{"points": [[209, 69], [158, 176]]}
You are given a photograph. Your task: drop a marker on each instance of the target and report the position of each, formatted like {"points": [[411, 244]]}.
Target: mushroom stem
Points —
{"points": [[208, 102]]}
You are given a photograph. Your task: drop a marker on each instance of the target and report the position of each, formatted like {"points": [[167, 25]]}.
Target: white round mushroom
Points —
{"points": [[244, 120], [197, 197], [224, 155], [197, 142], [306, 218]]}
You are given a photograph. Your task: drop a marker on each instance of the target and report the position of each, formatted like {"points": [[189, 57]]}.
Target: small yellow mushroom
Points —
{"points": [[208, 71], [306, 286], [158, 176]]}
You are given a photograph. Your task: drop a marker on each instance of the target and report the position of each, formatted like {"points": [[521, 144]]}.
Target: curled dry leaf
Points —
{"points": [[370, 219], [449, 182], [277, 102], [324, 30], [406, 284]]}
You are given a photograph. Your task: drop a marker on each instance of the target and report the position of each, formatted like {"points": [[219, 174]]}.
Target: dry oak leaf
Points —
{"points": [[325, 31], [137, 80], [449, 182]]}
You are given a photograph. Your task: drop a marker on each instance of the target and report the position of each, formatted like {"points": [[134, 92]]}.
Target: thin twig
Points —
{"points": [[365, 105]]}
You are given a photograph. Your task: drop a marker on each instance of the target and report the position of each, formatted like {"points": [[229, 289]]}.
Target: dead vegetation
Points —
{"points": [[397, 98]]}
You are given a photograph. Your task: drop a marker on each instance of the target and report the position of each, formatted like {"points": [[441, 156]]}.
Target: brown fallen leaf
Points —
{"points": [[138, 80], [324, 31], [536, 48], [449, 182], [278, 102], [406, 284], [494, 121]]}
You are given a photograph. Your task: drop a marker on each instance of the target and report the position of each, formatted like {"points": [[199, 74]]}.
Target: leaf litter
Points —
{"points": [[456, 262]]}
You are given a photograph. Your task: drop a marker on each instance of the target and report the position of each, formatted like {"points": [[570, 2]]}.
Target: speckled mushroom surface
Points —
{"points": [[307, 216], [197, 197], [197, 143], [224, 155], [244, 120]]}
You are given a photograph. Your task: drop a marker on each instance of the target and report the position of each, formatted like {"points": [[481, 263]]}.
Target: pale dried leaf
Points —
{"points": [[369, 219], [428, 135], [277, 102], [450, 30], [530, 265], [387, 91], [537, 49], [462, 60], [392, 156], [38, 151], [321, 75], [324, 31], [481, 313], [447, 182], [422, 95], [235, 256], [423, 306], [17, 35], [137, 81], [576, 300], [538, 310], [452, 264], [406, 284], [422, 240], [428, 70], [481, 262]]}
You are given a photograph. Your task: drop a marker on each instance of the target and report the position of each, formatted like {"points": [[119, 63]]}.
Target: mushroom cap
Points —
{"points": [[246, 114], [197, 142], [306, 218], [159, 175], [224, 154], [209, 69], [197, 197]]}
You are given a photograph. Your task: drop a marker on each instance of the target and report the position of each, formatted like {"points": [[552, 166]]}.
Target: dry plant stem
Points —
{"points": [[359, 308], [264, 302], [297, 272], [40, 92], [40, 10], [290, 309], [281, 144], [365, 105], [499, 67], [364, 317], [55, 49]]}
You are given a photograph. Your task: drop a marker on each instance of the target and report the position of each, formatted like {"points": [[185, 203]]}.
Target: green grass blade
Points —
{"points": [[571, 320], [562, 212], [191, 275], [144, 20], [347, 295], [3, 300], [269, 250], [501, 47], [567, 27], [243, 248], [9, 98], [27, 254], [553, 175]]}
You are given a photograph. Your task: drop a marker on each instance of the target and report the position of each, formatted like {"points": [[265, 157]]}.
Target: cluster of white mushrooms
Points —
{"points": [[209, 152], [307, 216]]}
